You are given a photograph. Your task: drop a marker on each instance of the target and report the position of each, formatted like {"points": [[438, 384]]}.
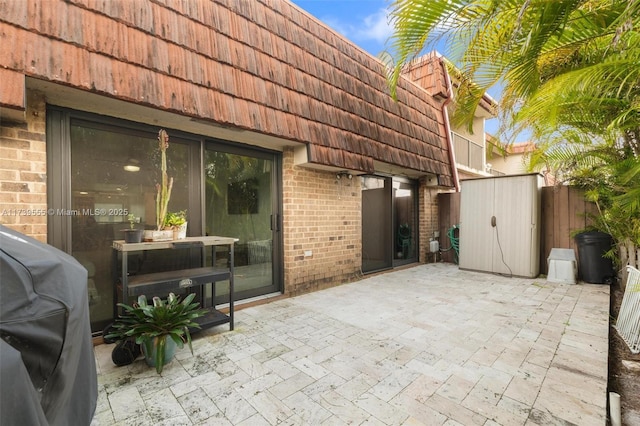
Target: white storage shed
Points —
{"points": [[500, 225]]}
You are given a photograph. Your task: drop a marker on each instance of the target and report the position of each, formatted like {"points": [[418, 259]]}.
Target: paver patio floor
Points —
{"points": [[425, 345]]}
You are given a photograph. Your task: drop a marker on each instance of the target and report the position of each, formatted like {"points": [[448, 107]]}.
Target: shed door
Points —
{"points": [[476, 233]]}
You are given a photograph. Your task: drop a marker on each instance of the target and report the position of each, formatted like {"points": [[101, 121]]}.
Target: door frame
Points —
{"points": [[59, 196], [390, 236], [277, 241]]}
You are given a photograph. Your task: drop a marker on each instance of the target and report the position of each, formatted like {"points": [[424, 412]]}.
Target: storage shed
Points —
{"points": [[500, 224]]}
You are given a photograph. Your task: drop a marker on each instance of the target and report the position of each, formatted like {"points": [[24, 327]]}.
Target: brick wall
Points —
{"points": [[428, 213], [321, 214], [23, 168]]}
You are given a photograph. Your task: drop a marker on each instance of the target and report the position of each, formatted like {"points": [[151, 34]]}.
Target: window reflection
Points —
{"points": [[404, 220], [105, 188]]}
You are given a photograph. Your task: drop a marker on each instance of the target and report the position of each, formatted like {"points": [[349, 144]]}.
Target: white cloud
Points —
{"points": [[337, 25], [373, 27]]}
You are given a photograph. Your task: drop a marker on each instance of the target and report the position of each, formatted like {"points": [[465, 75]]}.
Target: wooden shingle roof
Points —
{"points": [[263, 65], [430, 72]]}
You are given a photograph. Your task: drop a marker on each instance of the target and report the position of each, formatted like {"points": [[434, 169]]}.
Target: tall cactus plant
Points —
{"points": [[163, 189]]}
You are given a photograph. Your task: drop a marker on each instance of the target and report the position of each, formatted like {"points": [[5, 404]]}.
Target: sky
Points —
{"points": [[364, 22]]}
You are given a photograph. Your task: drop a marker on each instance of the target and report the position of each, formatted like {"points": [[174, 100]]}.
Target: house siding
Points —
{"points": [[23, 171], [322, 215], [262, 66], [428, 216]]}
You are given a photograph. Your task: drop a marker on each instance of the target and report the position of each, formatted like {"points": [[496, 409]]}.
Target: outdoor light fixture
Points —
{"points": [[345, 174]]}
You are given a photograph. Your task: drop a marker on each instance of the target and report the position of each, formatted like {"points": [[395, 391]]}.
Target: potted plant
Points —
{"points": [[132, 235], [158, 327], [177, 221], [163, 193]]}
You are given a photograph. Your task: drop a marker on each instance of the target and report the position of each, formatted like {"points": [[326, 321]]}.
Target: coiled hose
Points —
{"points": [[455, 243]]}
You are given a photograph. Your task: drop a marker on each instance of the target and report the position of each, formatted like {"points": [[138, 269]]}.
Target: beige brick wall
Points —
{"points": [[428, 214], [23, 168], [321, 214]]}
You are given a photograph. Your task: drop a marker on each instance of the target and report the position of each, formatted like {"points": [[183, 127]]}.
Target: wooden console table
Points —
{"points": [[162, 283]]}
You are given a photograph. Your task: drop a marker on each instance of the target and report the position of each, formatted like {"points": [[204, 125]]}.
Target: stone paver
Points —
{"points": [[427, 345]]}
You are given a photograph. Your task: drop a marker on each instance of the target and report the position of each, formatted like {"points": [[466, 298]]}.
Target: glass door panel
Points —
{"points": [[241, 202], [404, 222], [376, 224], [113, 173]]}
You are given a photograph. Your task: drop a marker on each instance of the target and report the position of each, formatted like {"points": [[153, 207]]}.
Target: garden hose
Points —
{"points": [[455, 242]]}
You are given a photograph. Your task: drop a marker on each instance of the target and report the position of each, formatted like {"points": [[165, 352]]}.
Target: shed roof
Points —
{"points": [[262, 65]]}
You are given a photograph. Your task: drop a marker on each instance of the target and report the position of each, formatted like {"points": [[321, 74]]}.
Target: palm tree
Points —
{"points": [[606, 171], [581, 52], [570, 71]]}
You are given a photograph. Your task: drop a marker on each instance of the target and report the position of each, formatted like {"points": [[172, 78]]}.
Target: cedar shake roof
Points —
{"points": [[262, 65], [430, 72]]}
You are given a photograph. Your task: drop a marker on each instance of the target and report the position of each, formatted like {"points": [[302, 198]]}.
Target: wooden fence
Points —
{"points": [[629, 255], [564, 210]]}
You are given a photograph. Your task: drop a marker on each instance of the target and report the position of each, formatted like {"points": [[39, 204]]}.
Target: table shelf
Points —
{"points": [[162, 283]]}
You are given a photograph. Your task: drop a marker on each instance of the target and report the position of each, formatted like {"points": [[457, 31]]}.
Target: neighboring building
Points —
{"points": [[469, 146], [512, 159], [508, 159], [282, 134]]}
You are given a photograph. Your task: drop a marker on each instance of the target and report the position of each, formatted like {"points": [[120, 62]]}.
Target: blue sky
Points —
{"points": [[364, 22]]}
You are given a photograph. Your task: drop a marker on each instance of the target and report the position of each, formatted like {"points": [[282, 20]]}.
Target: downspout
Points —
{"points": [[445, 114]]}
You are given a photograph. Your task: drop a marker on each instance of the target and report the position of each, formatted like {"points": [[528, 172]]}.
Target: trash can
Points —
{"points": [[592, 267]]}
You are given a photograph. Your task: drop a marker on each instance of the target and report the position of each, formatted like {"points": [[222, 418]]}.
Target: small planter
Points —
{"points": [[133, 235], [177, 222], [180, 232], [165, 235]]}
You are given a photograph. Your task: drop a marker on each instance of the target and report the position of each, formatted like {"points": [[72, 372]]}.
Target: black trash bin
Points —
{"points": [[592, 266]]}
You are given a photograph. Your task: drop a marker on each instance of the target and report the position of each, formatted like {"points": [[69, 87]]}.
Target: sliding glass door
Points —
{"points": [[389, 222], [113, 173], [101, 169], [377, 249], [241, 201]]}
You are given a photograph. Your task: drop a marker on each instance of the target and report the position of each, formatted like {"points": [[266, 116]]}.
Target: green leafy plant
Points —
{"points": [[163, 318], [132, 220], [175, 219]]}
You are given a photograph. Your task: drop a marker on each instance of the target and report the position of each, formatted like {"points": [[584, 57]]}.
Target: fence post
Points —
{"points": [[629, 256]]}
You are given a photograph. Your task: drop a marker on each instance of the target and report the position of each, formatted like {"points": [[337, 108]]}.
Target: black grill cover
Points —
{"points": [[47, 366]]}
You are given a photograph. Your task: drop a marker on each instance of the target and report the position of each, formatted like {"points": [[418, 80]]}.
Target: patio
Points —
{"points": [[425, 345]]}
